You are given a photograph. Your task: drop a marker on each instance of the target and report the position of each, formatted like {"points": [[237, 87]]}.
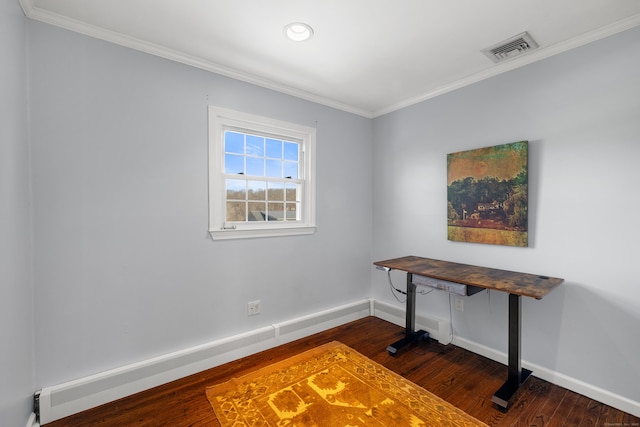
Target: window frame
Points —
{"points": [[222, 119]]}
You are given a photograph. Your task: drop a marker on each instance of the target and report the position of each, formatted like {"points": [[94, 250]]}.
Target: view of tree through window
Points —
{"points": [[262, 178]]}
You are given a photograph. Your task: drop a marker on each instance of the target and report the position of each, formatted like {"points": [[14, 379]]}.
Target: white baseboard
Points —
{"points": [[604, 396], [76, 396], [439, 329], [79, 395], [33, 421]]}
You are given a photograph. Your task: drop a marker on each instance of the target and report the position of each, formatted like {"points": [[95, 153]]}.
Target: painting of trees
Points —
{"points": [[487, 195]]}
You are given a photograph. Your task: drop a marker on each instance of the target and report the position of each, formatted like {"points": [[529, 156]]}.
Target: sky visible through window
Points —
{"points": [[262, 181], [265, 157]]}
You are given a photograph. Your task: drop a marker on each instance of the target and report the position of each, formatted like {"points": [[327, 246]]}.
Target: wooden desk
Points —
{"points": [[515, 284]]}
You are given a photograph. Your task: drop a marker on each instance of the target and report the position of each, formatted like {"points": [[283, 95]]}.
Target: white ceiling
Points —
{"points": [[368, 57]]}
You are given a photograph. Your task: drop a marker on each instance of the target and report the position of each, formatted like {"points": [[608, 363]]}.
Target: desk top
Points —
{"points": [[530, 285]]}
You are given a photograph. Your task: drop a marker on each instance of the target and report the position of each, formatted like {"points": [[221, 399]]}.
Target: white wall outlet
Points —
{"points": [[459, 304], [253, 308]]}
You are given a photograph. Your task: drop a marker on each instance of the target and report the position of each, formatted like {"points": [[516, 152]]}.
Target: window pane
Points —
{"points": [[233, 163], [274, 148], [261, 175], [291, 170], [291, 151], [257, 190], [274, 168], [236, 211], [257, 211], [255, 145], [291, 193], [236, 189], [233, 142], [292, 211], [276, 211], [276, 191], [255, 166]]}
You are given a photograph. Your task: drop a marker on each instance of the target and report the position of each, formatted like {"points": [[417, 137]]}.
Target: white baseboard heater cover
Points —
{"points": [[75, 396], [56, 402]]}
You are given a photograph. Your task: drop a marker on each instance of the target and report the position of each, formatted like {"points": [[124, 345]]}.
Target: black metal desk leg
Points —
{"points": [[517, 375], [410, 322], [410, 335]]}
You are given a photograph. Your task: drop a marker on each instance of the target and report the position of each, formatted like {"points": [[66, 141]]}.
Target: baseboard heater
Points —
{"points": [[439, 329], [62, 400], [56, 402]]}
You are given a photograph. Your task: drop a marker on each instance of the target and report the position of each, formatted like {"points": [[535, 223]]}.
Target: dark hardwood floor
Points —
{"points": [[462, 378]]}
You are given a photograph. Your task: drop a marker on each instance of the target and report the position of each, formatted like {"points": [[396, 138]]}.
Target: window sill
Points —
{"points": [[251, 233]]}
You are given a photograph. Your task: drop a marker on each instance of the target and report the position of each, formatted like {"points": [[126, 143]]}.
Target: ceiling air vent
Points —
{"points": [[516, 45]]}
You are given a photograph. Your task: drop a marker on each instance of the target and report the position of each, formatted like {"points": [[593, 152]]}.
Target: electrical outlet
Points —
{"points": [[253, 308], [459, 304]]}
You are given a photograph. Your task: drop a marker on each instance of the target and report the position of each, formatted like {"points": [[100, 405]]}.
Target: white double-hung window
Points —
{"points": [[261, 176]]}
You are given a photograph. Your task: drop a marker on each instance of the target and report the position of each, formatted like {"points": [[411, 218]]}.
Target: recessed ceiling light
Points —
{"points": [[298, 32]]}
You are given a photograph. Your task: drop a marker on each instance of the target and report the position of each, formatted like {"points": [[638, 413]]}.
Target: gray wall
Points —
{"points": [[16, 289], [580, 112], [124, 268]]}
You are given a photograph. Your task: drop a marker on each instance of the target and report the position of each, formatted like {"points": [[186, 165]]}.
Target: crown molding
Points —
{"points": [[42, 15], [70, 24], [517, 62]]}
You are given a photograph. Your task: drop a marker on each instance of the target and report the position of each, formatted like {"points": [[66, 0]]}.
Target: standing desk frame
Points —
{"points": [[515, 284]]}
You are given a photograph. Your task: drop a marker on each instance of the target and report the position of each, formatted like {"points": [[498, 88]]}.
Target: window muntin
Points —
{"points": [[261, 176], [257, 170]]}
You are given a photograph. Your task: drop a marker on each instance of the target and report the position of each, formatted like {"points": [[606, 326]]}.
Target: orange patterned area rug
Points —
{"points": [[334, 386]]}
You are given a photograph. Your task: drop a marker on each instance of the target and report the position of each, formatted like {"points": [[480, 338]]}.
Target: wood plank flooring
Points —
{"points": [[464, 379]]}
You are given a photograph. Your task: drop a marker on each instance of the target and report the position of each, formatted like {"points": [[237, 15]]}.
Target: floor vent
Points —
{"points": [[515, 46]]}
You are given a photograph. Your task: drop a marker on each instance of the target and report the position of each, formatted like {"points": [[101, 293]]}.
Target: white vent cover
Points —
{"points": [[516, 45]]}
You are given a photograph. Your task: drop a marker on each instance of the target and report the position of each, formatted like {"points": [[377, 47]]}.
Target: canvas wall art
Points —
{"points": [[487, 195]]}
